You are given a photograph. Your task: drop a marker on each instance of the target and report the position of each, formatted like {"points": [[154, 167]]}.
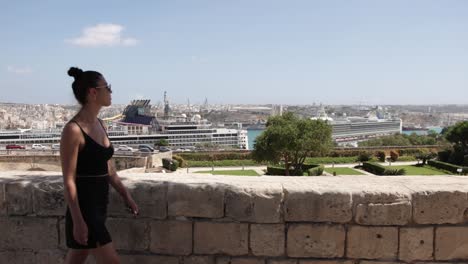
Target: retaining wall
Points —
{"points": [[195, 219]]}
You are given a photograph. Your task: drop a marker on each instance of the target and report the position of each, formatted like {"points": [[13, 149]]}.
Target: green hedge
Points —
{"points": [[373, 168], [317, 171], [447, 166], [222, 163], [170, 164]]}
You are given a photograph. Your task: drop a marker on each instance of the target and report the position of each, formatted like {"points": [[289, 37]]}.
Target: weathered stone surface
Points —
{"points": [[316, 204], [281, 261], [17, 257], [171, 237], [372, 242], [326, 262], [416, 244], [129, 234], [258, 203], [378, 262], [148, 259], [19, 198], [62, 239], [49, 256], [383, 214], [49, 198], [439, 207], [196, 200], [28, 233], [267, 239], [199, 260], [3, 205], [221, 238], [223, 260], [247, 261], [320, 241], [451, 243], [150, 196]]}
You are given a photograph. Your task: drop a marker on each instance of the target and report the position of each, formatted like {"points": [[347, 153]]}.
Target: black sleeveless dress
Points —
{"points": [[92, 184]]}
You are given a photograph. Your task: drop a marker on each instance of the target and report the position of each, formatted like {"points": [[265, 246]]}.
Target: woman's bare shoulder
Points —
{"points": [[71, 130]]}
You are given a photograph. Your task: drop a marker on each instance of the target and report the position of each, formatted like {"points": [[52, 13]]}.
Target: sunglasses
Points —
{"points": [[108, 87]]}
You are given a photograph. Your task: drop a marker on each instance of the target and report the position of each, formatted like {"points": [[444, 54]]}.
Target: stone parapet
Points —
{"points": [[200, 219]]}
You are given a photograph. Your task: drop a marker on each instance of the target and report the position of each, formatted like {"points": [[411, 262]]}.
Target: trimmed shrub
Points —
{"points": [[317, 171], [444, 155], [381, 156], [394, 172], [182, 162], [394, 156], [373, 168], [364, 156], [174, 165], [406, 158], [271, 170], [447, 166]]}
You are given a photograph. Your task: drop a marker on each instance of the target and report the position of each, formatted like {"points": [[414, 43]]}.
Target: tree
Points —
{"points": [[458, 136], [290, 139], [162, 142]]}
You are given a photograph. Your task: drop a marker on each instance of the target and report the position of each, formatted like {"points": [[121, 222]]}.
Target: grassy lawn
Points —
{"points": [[417, 170], [231, 172], [343, 171]]}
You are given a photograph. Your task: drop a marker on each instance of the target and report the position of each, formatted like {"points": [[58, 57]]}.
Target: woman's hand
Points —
{"points": [[132, 205], [80, 232]]}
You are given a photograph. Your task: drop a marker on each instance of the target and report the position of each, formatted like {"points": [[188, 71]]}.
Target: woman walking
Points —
{"points": [[85, 152]]}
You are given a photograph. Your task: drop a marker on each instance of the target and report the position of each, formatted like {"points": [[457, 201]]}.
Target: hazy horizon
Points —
{"points": [[243, 52]]}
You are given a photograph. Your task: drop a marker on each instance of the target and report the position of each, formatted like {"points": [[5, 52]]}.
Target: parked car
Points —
{"points": [[164, 149], [38, 146], [125, 148], [55, 146], [14, 146], [144, 146]]}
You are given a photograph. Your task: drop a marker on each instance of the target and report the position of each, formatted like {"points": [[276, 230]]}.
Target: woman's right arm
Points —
{"points": [[69, 147]]}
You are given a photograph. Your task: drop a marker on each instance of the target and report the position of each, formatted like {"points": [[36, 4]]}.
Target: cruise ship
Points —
{"points": [[136, 125], [350, 130]]}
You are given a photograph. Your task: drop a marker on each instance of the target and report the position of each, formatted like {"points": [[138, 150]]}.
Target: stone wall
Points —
{"points": [[194, 219]]}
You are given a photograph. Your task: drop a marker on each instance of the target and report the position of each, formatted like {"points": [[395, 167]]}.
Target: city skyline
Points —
{"points": [[261, 52]]}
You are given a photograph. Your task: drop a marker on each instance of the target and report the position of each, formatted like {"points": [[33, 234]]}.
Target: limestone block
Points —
{"points": [[314, 240], [3, 205], [439, 207], [196, 200], [378, 262], [171, 237], [62, 238], [281, 261], [372, 242], [267, 239], [28, 233], [17, 257], [221, 238], [129, 234], [310, 203], [383, 214], [451, 243], [247, 261], [49, 198], [199, 260], [150, 197], [19, 198], [223, 260], [258, 203], [49, 256], [148, 259], [416, 244], [326, 262]]}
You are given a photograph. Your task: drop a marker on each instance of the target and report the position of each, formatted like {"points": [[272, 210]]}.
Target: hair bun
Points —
{"points": [[75, 72]]}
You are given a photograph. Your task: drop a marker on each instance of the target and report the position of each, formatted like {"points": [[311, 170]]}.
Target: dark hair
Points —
{"points": [[83, 81]]}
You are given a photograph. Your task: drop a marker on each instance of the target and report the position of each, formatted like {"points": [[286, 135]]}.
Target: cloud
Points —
{"points": [[19, 70], [103, 35]]}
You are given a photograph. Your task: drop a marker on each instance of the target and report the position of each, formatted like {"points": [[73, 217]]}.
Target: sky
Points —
{"points": [[238, 52]]}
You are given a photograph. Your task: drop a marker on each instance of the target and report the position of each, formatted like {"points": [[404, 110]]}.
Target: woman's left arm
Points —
{"points": [[115, 181]]}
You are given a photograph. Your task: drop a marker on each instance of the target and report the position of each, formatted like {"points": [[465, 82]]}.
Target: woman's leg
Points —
{"points": [[76, 256], [106, 254]]}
